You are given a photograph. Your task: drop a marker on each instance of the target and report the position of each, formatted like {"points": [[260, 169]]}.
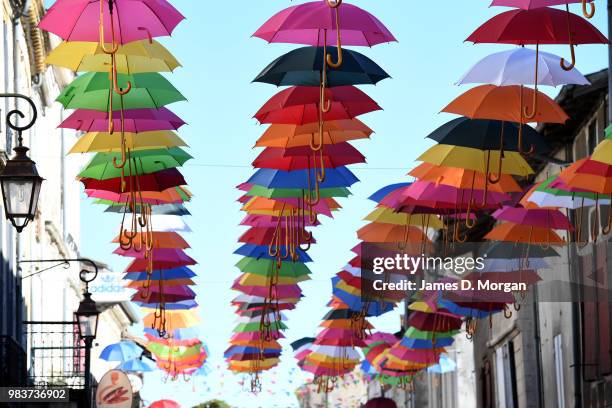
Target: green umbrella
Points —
{"points": [[256, 326], [415, 333], [267, 267], [91, 90], [261, 191], [143, 162]]}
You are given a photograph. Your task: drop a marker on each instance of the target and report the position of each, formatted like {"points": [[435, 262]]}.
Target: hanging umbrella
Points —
{"points": [[135, 120], [532, 4], [506, 103], [303, 66], [537, 217], [148, 161], [336, 155], [543, 195], [338, 177], [79, 20], [445, 365], [106, 142], [380, 402], [463, 178], [309, 23], [158, 181], [122, 351], [132, 58], [299, 105], [512, 232], [287, 136], [92, 91], [515, 67], [137, 365]]}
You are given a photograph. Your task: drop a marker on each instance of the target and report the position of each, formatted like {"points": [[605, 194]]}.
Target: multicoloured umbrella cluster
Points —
{"points": [[119, 101], [302, 169], [470, 172]]}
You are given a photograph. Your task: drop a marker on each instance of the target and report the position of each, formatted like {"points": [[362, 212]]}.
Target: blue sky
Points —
{"points": [[220, 59]]}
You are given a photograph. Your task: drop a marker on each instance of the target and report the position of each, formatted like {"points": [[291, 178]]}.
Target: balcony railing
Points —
{"points": [[57, 356]]}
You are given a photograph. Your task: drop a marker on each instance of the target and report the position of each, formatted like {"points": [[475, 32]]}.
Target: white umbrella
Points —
{"points": [[163, 223], [516, 67]]}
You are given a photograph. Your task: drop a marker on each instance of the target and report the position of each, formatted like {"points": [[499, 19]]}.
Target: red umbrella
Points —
{"points": [[159, 181], [299, 105], [380, 403], [299, 158], [165, 404]]}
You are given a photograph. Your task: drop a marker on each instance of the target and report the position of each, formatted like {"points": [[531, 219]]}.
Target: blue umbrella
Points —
{"points": [[355, 303], [445, 365], [183, 305], [259, 251], [272, 178], [122, 351], [177, 273], [427, 344], [137, 365], [385, 191]]}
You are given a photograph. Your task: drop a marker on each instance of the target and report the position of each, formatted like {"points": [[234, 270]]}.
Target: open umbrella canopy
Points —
{"points": [[336, 155], [299, 105], [486, 134], [515, 67], [475, 159], [292, 135], [511, 232], [122, 351], [132, 58], [280, 193], [271, 178], [165, 404], [92, 91], [543, 195], [310, 24], [505, 103], [137, 365], [463, 178], [135, 120], [161, 240], [107, 142], [540, 25], [532, 4], [159, 181], [536, 217], [303, 66], [101, 165], [78, 20]]}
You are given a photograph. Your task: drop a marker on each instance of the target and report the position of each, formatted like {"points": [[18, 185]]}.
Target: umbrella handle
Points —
{"points": [[507, 312], [469, 223], [585, 9], [606, 230], [115, 45], [494, 179], [571, 44], [313, 145], [124, 158], [328, 57], [520, 143], [457, 237], [595, 229], [117, 89], [149, 36], [325, 104], [334, 4], [321, 173], [526, 113]]}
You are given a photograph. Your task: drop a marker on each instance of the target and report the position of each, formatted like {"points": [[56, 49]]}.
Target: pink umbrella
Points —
{"points": [[136, 120], [133, 20], [254, 335], [310, 23], [267, 221], [422, 356], [159, 254], [423, 190], [536, 217], [280, 291], [165, 404]]}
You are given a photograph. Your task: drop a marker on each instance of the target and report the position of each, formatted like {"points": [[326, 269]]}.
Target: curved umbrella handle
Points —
{"points": [[507, 312], [321, 170], [334, 4], [526, 113], [457, 237], [469, 223], [116, 88], [571, 44], [124, 158], [520, 143], [115, 45], [328, 58], [494, 179], [149, 36], [586, 5]]}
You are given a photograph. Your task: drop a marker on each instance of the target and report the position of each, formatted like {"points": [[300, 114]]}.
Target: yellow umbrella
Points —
{"points": [[475, 159], [603, 152], [132, 58], [178, 319], [106, 142], [386, 215], [251, 279]]}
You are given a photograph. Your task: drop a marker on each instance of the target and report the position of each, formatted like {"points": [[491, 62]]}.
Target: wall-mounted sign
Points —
{"points": [[114, 391], [109, 287]]}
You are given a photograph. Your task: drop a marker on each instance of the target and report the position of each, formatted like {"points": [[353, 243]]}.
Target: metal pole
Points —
{"points": [[609, 62], [88, 393]]}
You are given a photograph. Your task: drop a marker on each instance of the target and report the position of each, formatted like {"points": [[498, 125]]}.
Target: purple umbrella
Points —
{"points": [[136, 120]]}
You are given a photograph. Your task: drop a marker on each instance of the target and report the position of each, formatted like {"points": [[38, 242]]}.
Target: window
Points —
{"points": [[505, 376], [559, 378]]}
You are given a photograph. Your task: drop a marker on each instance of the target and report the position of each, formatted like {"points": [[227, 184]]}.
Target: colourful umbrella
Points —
{"points": [[135, 120]]}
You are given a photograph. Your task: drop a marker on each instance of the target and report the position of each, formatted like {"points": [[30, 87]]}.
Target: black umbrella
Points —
{"points": [[485, 134], [303, 67]]}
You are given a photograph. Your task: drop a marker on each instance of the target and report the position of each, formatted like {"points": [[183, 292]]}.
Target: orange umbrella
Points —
{"points": [[511, 232], [160, 240], [268, 206], [506, 103], [174, 319], [576, 178], [389, 233], [287, 136], [142, 284], [463, 178]]}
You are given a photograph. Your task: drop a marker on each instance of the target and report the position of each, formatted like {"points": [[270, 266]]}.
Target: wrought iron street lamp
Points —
{"points": [[87, 318], [19, 179]]}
